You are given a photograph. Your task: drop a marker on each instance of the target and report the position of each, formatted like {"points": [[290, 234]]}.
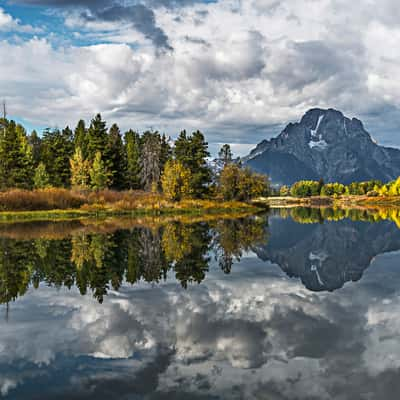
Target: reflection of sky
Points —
{"points": [[252, 334]]}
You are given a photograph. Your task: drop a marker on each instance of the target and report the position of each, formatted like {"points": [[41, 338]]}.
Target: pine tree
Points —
{"points": [[116, 158], [79, 170], [182, 149], [16, 162], [35, 142], [99, 176], [81, 138], [150, 160], [97, 137], [225, 154], [192, 152], [57, 149], [166, 151], [132, 150], [41, 180]]}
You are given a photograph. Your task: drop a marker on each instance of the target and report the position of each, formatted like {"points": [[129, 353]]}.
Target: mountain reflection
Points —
{"points": [[324, 248], [252, 334]]}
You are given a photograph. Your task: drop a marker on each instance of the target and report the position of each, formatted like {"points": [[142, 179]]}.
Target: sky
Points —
{"points": [[239, 70]]}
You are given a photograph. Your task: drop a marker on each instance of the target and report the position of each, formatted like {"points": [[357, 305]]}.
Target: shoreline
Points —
{"points": [[330, 202], [223, 209]]}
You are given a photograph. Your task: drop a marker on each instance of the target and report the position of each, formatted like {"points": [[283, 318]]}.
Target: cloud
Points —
{"points": [[264, 66], [10, 24], [258, 329], [140, 16]]}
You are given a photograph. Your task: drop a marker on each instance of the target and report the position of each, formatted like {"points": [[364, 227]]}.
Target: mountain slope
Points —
{"points": [[324, 144]]}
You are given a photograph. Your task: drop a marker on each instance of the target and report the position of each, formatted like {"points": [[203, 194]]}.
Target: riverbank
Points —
{"points": [[213, 209], [325, 201], [60, 204]]}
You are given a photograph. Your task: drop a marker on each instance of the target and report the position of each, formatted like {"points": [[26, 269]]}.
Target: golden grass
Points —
{"points": [[68, 204]]}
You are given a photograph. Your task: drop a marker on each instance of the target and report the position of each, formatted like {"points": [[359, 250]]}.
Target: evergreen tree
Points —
{"points": [[16, 162], [192, 152], [57, 149], [166, 151], [182, 149], [41, 180], [225, 154], [150, 160], [35, 142], [99, 176], [81, 138], [79, 170], [97, 137], [116, 158], [132, 150]]}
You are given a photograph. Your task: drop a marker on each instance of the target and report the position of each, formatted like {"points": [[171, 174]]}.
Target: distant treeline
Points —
{"points": [[371, 188], [94, 157]]}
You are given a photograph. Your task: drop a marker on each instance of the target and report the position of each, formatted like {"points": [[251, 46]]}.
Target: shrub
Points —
{"points": [[284, 190], [43, 199]]}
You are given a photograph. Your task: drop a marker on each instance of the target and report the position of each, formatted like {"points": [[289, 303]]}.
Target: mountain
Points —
{"points": [[324, 144]]}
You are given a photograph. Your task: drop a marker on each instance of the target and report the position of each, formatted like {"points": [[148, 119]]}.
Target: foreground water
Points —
{"points": [[289, 306]]}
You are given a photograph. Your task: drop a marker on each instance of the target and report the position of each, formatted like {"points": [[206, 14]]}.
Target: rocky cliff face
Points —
{"points": [[324, 144]]}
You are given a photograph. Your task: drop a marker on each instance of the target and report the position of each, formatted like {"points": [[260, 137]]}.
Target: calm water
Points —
{"points": [[300, 304]]}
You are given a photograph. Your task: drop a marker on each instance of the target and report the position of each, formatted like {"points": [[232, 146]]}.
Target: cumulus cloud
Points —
{"points": [[10, 24], [257, 331], [233, 69]]}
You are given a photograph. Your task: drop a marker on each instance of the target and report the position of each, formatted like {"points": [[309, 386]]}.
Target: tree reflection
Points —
{"points": [[233, 237], [97, 262]]}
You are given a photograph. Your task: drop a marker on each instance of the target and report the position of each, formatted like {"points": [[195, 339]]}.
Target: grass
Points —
{"points": [[62, 204]]}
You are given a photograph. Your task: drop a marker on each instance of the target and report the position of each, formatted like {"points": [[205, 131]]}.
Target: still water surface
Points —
{"points": [[299, 304]]}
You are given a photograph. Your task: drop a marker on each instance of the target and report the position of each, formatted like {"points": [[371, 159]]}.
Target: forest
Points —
{"points": [[373, 188], [95, 158]]}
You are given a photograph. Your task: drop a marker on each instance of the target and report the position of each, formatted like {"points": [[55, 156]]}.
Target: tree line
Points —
{"points": [[94, 158], [372, 188]]}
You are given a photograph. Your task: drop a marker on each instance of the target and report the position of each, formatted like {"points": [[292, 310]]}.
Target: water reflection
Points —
{"points": [[254, 333], [102, 261], [327, 248]]}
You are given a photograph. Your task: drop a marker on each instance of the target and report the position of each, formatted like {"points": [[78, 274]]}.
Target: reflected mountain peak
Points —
{"points": [[327, 254]]}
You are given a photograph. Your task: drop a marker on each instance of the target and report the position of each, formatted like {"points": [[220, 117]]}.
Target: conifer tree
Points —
{"points": [[99, 176], [16, 163], [41, 179], [192, 152], [57, 149], [132, 150], [79, 170], [81, 138], [35, 142], [225, 154], [150, 160], [116, 158], [166, 151], [97, 137], [182, 149]]}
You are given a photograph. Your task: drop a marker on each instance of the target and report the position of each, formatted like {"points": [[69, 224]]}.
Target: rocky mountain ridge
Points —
{"points": [[324, 144]]}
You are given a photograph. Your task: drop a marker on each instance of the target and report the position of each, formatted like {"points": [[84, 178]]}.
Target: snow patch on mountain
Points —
{"points": [[320, 145]]}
